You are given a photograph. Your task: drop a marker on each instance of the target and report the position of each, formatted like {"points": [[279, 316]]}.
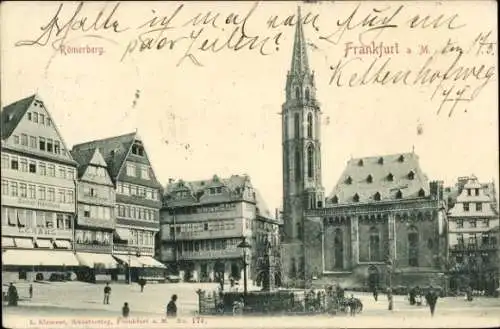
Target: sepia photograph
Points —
{"points": [[239, 164]]}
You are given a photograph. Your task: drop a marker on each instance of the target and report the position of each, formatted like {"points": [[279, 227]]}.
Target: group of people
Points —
{"points": [[12, 296], [171, 310]]}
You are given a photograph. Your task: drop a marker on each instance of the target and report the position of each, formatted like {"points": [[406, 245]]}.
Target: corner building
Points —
{"points": [[38, 194], [137, 207], [202, 223]]}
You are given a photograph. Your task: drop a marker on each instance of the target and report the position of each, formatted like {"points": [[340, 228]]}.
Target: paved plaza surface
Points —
{"points": [[83, 300]]}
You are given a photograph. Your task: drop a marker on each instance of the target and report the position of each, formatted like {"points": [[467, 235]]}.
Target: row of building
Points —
{"points": [[96, 209]]}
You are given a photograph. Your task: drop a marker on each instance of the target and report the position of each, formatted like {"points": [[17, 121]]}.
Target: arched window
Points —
{"points": [[339, 249], [374, 245], [297, 125], [297, 165], [297, 92], [307, 94], [413, 246], [310, 125], [310, 161]]}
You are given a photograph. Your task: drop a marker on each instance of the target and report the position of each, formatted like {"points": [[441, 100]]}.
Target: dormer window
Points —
{"points": [[390, 177], [348, 180], [399, 194], [138, 149], [401, 158], [335, 200], [380, 160], [411, 175], [360, 163], [369, 179], [355, 198], [376, 197], [215, 178], [421, 193]]}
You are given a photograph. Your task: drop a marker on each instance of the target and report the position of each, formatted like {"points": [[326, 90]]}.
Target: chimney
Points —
{"points": [[461, 183]]}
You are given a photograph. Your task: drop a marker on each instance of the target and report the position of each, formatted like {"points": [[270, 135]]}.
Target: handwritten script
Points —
{"points": [[189, 36]]}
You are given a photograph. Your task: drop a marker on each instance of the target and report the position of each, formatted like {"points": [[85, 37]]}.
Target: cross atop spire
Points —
{"points": [[300, 63]]}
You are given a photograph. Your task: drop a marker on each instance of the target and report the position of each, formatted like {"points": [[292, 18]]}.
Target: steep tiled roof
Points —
{"points": [[380, 178], [486, 196], [114, 151], [82, 157], [13, 113], [232, 191]]}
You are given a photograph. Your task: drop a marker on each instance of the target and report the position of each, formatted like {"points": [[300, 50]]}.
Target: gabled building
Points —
{"points": [[95, 219], [38, 193], [384, 224], [202, 223], [137, 205], [472, 238]]}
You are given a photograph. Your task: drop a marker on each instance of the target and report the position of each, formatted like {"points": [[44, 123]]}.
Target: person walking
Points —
{"points": [[142, 283], [172, 307], [125, 310], [107, 293], [12, 295], [390, 299], [31, 291], [375, 293], [431, 299]]}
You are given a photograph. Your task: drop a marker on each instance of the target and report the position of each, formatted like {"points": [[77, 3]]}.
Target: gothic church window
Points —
{"points": [[307, 94], [297, 165], [412, 246], [310, 161], [297, 125], [374, 245], [297, 92], [309, 125], [339, 249]]}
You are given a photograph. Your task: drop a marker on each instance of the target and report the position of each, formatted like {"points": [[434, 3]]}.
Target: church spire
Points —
{"points": [[299, 57]]}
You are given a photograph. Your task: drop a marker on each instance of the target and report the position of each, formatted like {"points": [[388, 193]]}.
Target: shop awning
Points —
{"points": [[34, 257], [122, 233], [63, 244], [95, 260], [150, 262], [134, 261], [8, 242], [24, 243], [43, 243]]}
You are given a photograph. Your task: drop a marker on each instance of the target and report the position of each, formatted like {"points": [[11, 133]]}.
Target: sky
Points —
{"points": [[210, 112]]}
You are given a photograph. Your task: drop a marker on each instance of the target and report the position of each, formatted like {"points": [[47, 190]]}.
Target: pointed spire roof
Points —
{"points": [[300, 64]]}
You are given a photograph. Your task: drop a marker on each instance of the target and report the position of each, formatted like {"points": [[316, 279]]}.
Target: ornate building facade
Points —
{"points": [[95, 218], [202, 223], [473, 221], [38, 193], [137, 207], [384, 222]]}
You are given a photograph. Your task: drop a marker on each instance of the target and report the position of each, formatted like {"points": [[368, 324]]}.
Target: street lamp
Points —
{"points": [[138, 254], [244, 245]]}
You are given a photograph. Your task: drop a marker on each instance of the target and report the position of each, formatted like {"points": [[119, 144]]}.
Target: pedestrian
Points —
{"points": [[412, 296], [12, 295], [142, 283], [375, 293], [390, 299], [107, 292], [431, 299], [31, 291], [125, 310], [172, 307]]}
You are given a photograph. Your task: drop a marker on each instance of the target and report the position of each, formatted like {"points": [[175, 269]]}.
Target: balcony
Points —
{"points": [[474, 247], [40, 232], [125, 249], [93, 247], [95, 222], [210, 254]]}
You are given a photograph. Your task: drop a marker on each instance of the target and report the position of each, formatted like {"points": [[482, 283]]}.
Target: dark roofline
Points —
{"points": [[101, 140], [377, 157]]}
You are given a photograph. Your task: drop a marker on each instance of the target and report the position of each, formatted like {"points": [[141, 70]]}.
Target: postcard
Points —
{"points": [[250, 164]]}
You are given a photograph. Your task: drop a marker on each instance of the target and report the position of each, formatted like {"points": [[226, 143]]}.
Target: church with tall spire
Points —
{"points": [[383, 223], [302, 188]]}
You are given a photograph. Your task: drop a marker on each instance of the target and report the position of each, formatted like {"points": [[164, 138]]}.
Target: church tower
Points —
{"points": [[301, 123]]}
